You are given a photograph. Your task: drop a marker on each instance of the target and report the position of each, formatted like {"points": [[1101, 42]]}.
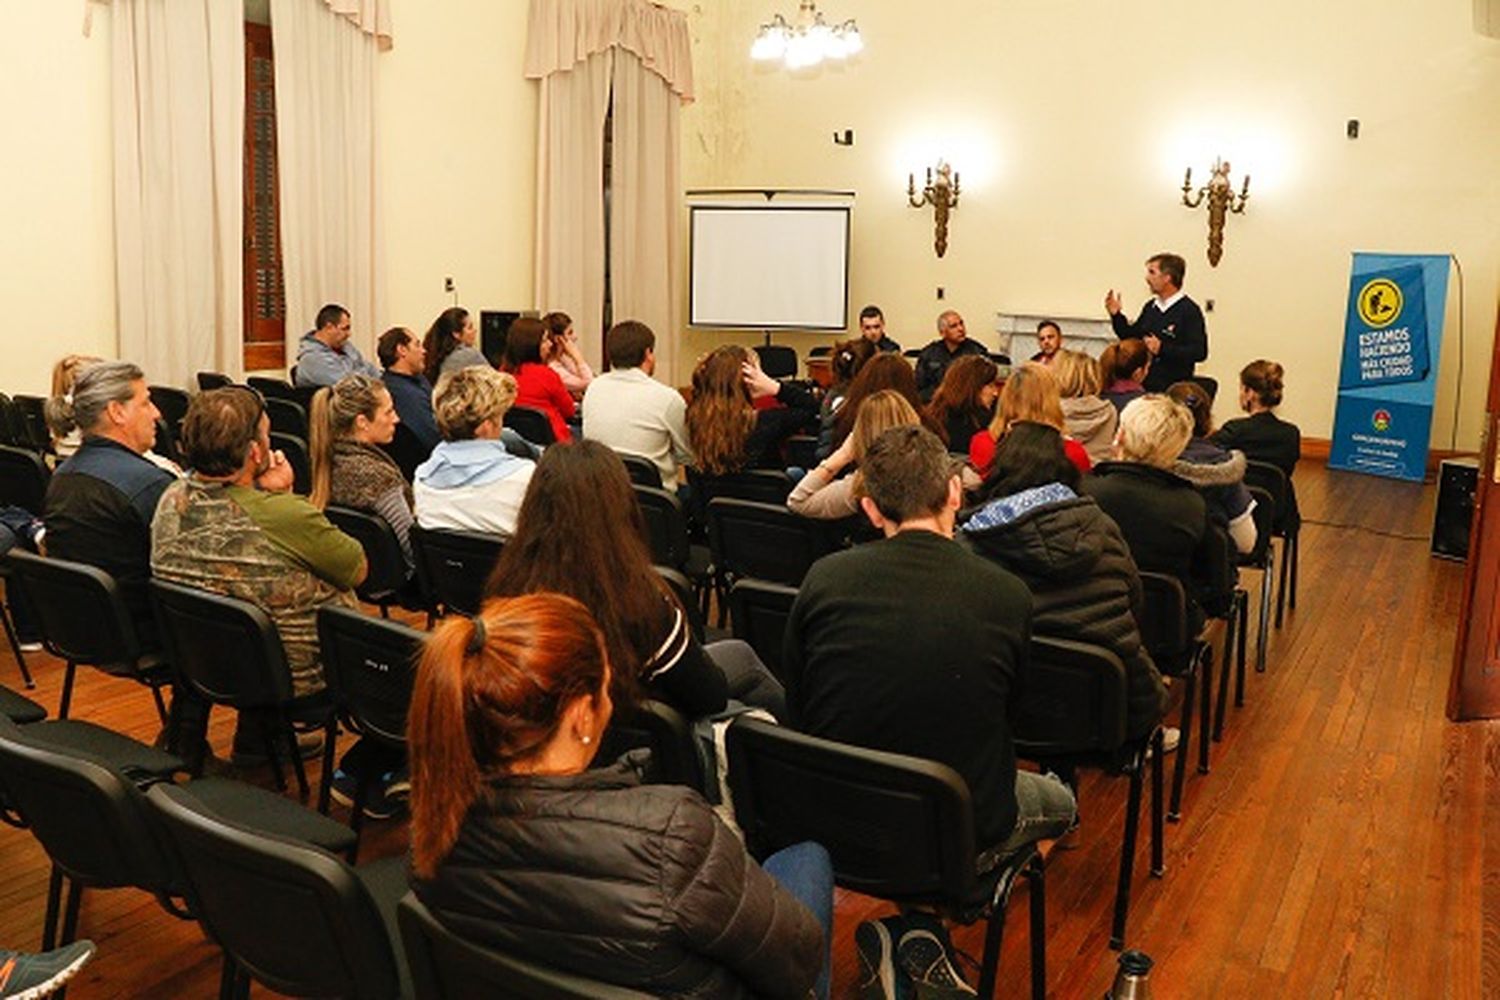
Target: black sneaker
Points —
{"points": [[30, 977], [926, 955], [874, 945], [382, 801]]}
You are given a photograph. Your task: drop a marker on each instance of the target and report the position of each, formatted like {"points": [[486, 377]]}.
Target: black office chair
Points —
{"points": [[23, 478], [8, 423], [287, 417], [666, 732], [386, 577], [446, 967], [531, 424], [173, 404], [84, 621], [32, 411], [272, 388], [801, 450], [897, 827], [763, 541], [1287, 527], [1182, 655], [20, 709], [229, 651], [1072, 713], [758, 613], [213, 380], [290, 915], [407, 451], [777, 360], [370, 665], [1262, 558], [1208, 384], [453, 566], [671, 545], [643, 471], [761, 485], [295, 450], [166, 443]]}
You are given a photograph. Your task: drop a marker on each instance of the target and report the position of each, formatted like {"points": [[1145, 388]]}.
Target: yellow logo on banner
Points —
{"points": [[1380, 302]]}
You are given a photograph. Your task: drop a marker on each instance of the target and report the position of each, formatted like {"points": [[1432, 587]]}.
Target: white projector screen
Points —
{"points": [[767, 267]]}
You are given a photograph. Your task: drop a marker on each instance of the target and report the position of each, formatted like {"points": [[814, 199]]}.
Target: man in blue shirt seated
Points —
{"points": [[403, 357], [325, 355]]}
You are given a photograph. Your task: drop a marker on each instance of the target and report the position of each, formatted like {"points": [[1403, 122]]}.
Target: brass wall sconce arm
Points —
{"points": [[941, 192], [1219, 193]]}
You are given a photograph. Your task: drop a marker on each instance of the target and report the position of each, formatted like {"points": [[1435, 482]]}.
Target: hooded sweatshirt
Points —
{"points": [[473, 485], [1083, 582], [1220, 477], [1091, 421], [319, 364]]}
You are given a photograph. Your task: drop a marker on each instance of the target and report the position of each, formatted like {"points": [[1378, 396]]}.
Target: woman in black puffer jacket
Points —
{"points": [[517, 846], [1083, 581]]}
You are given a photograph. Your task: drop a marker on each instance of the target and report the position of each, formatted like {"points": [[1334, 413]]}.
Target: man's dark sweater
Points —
{"points": [[412, 397], [932, 364], [1184, 339], [915, 645]]}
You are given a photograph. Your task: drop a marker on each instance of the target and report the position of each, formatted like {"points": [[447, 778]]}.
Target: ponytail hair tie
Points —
{"points": [[476, 638]]}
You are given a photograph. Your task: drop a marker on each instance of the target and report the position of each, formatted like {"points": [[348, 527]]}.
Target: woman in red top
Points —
{"points": [[1030, 394], [528, 349]]}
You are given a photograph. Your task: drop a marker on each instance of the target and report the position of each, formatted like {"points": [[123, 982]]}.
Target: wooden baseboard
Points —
{"points": [[1317, 449]]}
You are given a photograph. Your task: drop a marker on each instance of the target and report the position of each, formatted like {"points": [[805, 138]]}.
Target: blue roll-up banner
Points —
{"points": [[1393, 334]]}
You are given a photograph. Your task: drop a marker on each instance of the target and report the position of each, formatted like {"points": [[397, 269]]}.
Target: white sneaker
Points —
{"points": [[1170, 737]]}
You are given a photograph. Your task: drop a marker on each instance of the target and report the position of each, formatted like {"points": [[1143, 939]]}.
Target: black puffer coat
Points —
{"points": [[1084, 584], [635, 884]]}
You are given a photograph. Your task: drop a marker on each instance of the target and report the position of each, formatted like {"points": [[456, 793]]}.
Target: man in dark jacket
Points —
{"points": [[1171, 324], [915, 646], [953, 343]]}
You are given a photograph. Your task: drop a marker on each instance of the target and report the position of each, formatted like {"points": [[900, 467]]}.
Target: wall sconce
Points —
{"points": [[942, 195], [1221, 201]]}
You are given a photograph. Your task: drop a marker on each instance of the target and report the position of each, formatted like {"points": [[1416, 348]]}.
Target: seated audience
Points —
{"points": [[567, 359], [630, 411], [1088, 418], [1263, 436], [1029, 394], [885, 371], [1218, 473], [1123, 367], [325, 355], [520, 846], [727, 433], [848, 357], [872, 328], [1048, 341], [915, 645], [964, 404], [404, 359], [1163, 517], [66, 434], [528, 349], [580, 533], [235, 528], [953, 343], [450, 344], [821, 493], [472, 481], [1084, 584], [349, 422]]}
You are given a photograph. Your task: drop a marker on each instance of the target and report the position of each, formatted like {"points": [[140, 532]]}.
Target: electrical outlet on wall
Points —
{"points": [[941, 292], [448, 284]]}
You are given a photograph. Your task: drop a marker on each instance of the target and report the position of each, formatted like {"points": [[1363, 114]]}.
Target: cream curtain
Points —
{"points": [[373, 17], [645, 247], [178, 94], [332, 249], [580, 50]]}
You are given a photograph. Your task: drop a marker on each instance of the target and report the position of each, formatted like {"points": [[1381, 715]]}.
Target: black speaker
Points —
{"points": [[1457, 481], [493, 328]]}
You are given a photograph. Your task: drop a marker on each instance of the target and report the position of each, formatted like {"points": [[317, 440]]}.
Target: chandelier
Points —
{"points": [[808, 41]]}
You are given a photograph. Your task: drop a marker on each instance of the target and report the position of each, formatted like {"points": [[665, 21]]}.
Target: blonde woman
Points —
{"points": [[66, 435], [1031, 395], [1088, 417], [349, 422], [821, 494]]}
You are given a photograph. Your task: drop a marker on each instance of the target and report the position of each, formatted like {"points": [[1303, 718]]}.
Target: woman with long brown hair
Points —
{"points": [[885, 371], [567, 359], [964, 403], [529, 348], [848, 357], [1123, 368], [580, 533], [451, 344], [1030, 394], [518, 845], [728, 434]]}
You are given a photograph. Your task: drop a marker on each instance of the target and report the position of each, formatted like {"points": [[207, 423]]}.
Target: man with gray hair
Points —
{"points": [[101, 501], [953, 343]]}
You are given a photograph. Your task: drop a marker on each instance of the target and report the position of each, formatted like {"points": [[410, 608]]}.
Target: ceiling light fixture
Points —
{"points": [[807, 41]]}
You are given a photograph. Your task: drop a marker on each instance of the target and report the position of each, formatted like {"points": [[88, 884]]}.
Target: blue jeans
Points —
{"points": [[806, 872]]}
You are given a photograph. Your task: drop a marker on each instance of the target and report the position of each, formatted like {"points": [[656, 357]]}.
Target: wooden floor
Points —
{"points": [[1340, 848]]}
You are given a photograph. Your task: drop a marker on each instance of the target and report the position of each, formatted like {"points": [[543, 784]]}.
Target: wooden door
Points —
{"points": [[265, 296], [1475, 690]]}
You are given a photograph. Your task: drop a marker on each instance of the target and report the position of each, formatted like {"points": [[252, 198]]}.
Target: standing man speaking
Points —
{"points": [[1171, 324]]}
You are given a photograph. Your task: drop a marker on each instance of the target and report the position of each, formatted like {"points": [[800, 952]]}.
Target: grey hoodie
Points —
{"points": [[1091, 421]]}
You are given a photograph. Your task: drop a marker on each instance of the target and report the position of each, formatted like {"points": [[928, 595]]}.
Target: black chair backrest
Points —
{"points": [[23, 478], [387, 565], [1208, 384], [166, 442], [777, 360], [295, 450], [407, 451], [80, 611], [682, 587], [452, 566], [821, 351], [446, 967], [1073, 702], [8, 432], [90, 819], [213, 380], [1274, 481], [643, 471], [272, 387], [758, 613], [370, 664], [762, 485], [172, 402], [801, 450], [897, 827], [1265, 515], [763, 540], [666, 526], [287, 417], [294, 916], [1164, 621], [227, 649], [32, 411], [659, 726], [531, 424]]}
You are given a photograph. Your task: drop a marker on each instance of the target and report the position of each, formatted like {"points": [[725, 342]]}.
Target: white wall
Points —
{"points": [[1071, 122]]}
